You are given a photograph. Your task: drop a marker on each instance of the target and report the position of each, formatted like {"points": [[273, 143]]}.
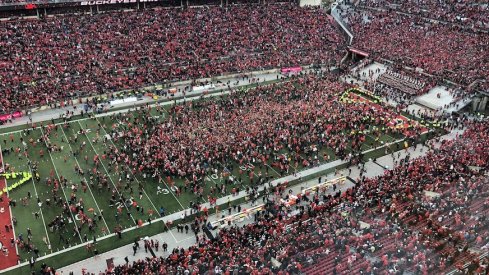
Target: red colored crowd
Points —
{"points": [[407, 229], [467, 13], [303, 117], [68, 56], [447, 51]]}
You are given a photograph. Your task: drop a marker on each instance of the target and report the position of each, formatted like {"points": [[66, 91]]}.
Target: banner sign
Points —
{"points": [[246, 213], [124, 100], [41, 4], [208, 87], [326, 184], [291, 70], [10, 116], [360, 52]]}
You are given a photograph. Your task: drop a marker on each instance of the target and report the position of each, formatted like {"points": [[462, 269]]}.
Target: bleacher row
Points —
{"points": [[69, 56], [440, 253], [468, 13]]}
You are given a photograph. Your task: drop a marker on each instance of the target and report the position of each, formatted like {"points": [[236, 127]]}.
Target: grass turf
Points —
{"points": [[88, 144]]}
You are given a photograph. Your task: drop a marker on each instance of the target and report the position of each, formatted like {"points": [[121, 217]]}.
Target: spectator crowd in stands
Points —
{"points": [[45, 61], [444, 50], [466, 13], [67, 57]]}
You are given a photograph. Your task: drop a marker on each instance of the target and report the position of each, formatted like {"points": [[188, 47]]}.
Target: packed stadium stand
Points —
{"points": [[67, 57], [467, 13], [321, 105], [444, 50]]}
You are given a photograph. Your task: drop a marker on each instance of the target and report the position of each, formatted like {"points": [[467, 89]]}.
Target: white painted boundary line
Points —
{"points": [[57, 175], [107, 172], [86, 182], [40, 208]]}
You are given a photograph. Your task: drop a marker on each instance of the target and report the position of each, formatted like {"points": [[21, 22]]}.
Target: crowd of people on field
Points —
{"points": [[281, 127], [422, 216], [72, 218], [67, 56]]}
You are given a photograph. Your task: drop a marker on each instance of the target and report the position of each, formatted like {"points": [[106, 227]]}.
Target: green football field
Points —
{"points": [[79, 142]]}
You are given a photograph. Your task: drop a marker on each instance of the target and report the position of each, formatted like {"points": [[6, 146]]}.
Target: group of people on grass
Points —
{"points": [[269, 130], [389, 223], [74, 220]]}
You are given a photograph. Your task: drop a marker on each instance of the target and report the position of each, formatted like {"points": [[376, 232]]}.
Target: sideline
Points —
{"points": [[46, 113]]}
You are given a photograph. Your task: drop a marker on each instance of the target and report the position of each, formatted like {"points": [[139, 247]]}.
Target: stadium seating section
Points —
{"points": [[74, 56]]}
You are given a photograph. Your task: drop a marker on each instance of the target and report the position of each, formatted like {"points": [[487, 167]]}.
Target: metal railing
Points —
{"points": [[337, 17]]}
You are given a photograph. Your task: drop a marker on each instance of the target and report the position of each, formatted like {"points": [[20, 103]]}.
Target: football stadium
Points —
{"points": [[244, 137]]}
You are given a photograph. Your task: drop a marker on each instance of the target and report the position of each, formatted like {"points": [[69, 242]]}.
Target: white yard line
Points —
{"points": [[108, 174], [278, 174], [89, 189], [40, 210], [57, 175], [144, 191], [169, 189]]}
